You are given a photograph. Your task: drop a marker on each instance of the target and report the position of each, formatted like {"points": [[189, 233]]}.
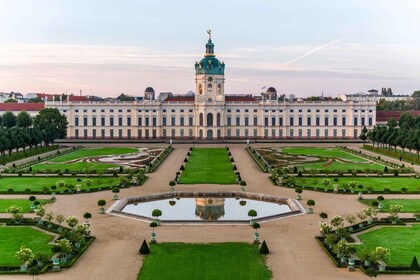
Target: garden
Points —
{"points": [[208, 166], [24, 204], [408, 205], [204, 261]]}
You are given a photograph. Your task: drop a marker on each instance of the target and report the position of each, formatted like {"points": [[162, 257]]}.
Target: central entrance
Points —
{"points": [[209, 134]]}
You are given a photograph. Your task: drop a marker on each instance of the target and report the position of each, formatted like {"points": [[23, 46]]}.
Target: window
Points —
{"points": [[308, 121], [300, 121], [343, 121], [164, 121], [335, 133], [172, 121], [343, 133], [120, 121], [308, 133], [147, 121], [181, 123], [317, 121], [280, 121], [335, 110], [120, 133], [163, 133], [190, 133], [76, 121], [111, 133], [370, 121], [326, 110], [164, 110], [255, 133], [76, 111], [190, 110], [273, 121], [246, 121], [102, 121], [128, 110], [255, 121], [237, 111], [182, 110], [238, 121], [309, 110], [139, 133], [229, 121], [190, 121], [246, 133], [300, 110], [93, 121], [291, 110], [291, 133], [291, 122], [326, 133], [111, 110], [317, 110], [228, 133], [344, 110], [355, 121], [119, 111], [173, 111], [154, 121], [181, 132], [129, 133], [326, 121], [335, 121], [111, 121], [85, 133], [317, 133], [363, 121], [237, 133], [139, 121], [255, 111], [266, 121], [102, 111], [129, 121], [102, 133], [85, 121], [76, 133]]}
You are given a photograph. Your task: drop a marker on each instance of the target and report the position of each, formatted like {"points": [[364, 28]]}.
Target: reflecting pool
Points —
{"points": [[207, 209]]}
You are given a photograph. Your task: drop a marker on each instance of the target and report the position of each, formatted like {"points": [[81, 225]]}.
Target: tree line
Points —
{"points": [[21, 131], [404, 133]]}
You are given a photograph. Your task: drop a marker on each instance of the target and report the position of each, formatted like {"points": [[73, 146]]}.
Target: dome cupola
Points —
{"points": [[210, 64]]}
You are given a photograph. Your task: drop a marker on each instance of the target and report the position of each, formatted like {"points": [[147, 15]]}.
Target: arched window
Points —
{"points": [[209, 89], [218, 119], [201, 119], [209, 119], [219, 89], [200, 89]]}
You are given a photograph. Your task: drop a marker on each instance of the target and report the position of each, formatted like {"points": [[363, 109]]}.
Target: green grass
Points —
{"points": [[404, 242], [323, 152], [208, 166], [94, 153], [408, 205], [341, 166], [11, 238], [25, 204], [204, 261], [377, 183], [37, 184], [60, 162]]}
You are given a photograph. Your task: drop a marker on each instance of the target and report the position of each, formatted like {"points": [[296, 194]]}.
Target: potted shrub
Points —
{"points": [[256, 226], [86, 223], [172, 185], [365, 256], [242, 183], [153, 225], [362, 216], [351, 219], [115, 191], [40, 212], [41, 258], [394, 210], [16, 213], [32, 199], [252, 213], [59, 219], [49, 217], [72, 222], [342, 249], [326, 183], [64, 247], [325, 228], [101, 204], [157, 213], [310, 203], [25, 256], [337, 221], [53, 189], [298, 191], [380, 199], [417, 215], [331, 240], [323, 215], [381, 256]]}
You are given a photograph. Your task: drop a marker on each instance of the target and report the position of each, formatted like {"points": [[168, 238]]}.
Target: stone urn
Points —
{"points": [[153, 238]]}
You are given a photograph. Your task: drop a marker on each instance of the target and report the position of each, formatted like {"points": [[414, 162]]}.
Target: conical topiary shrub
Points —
{"points": [[144, 248], [264, 248], [414, 264]]}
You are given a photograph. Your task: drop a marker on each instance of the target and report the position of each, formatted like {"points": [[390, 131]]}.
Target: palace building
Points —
{"points": [[211, 114]]}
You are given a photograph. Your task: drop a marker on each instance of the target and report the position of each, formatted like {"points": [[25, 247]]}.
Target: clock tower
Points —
{"points": [[210, 94]]}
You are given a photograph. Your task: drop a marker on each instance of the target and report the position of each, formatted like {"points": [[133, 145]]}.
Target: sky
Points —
{"points": [[300, 47]]}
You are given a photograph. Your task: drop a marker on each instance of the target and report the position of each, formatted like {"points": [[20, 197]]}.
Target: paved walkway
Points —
{"points": [[294, 253]]}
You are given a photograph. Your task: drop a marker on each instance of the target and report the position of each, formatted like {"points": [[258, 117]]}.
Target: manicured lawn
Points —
{"points": [[377, 183], [323, 152], [404, 242], [208, 166], [61, 162], [204, 261], [37, 184], [94, 153], [25, 204], [337, 165], [11, 238], [408, 205]]}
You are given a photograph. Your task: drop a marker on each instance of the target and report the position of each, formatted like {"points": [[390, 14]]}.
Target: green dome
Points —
{"points": [[210, 64]]}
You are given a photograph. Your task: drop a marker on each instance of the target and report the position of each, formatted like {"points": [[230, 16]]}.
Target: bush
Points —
{"points": [[144, 248], [234, 167], [295, 170], [396, 173], [182, 167], [264, 248], [414, 264], [121, 170], [386, 169], [231, 159]]}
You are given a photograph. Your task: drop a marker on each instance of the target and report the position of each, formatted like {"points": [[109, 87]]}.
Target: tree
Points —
{"points": [[252, 213], [23, 119], [24, 255], [363, 135], [371, 272], [8, 119], [10, 100], [72, 221], [15, 211], [157, 213], [87, 216], [64, 247], [52, 124], [144, 248], [33, 271], [101, 204], [323, 215], [310, 203]]}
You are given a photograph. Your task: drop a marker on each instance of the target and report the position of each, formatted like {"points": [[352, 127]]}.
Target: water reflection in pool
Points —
{"points": [[207, 209]]}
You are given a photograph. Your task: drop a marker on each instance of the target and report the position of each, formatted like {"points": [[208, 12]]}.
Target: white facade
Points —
{"points": [[369, 97], [212, 114]]}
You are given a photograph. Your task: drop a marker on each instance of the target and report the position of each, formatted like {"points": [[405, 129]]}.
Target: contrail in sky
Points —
{"points": [[316, 49]]}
